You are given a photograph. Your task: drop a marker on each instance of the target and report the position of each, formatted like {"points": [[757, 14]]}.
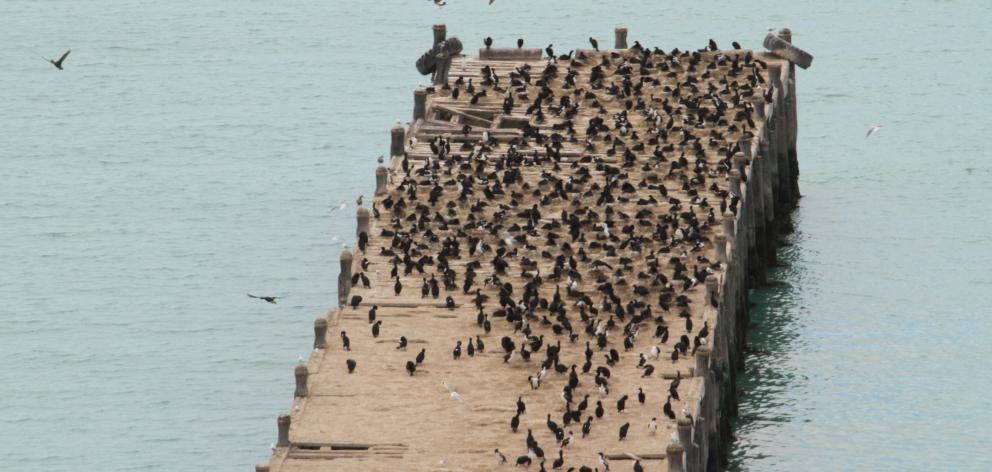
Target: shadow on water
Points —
{"points": [[768, 384]]}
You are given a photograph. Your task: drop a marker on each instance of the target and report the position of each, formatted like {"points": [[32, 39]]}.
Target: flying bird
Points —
{"points": [[872, 130], [339, 206], [269, 299], [58, 63]]}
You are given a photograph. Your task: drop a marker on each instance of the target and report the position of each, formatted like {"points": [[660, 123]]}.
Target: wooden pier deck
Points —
{"points": [[657, 218]]}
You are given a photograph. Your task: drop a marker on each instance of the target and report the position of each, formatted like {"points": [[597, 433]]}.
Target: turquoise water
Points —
{"points": [[190, 151]]}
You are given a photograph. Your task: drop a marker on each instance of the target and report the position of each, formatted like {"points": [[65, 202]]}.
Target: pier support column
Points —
{"points": [[381, 179], [720, 242], [712, 285], [702, 361], [735, 186], [685, 437], [419, 104], [728, 228], [674, 453], [785, 34], [301, 373], [362, 217], [320, 333], [621, 37], [440, 32], [344, 278], [261, 467], [283, 422], [397, 140]]}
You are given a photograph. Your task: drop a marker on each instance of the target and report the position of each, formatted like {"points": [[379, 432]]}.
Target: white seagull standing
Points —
{"points": [[872, 130]]}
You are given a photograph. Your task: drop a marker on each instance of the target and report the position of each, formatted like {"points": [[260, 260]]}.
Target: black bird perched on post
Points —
{"points": [[488, 41], [520, 43], [345, 341], [351, 365], [594, 43], [269, 299], [58, 65]]}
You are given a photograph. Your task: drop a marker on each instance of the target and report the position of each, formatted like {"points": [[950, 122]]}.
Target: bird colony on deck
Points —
{"points": [[528, 287]]}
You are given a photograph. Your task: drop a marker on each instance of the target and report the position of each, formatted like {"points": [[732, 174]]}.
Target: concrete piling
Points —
{"points": [[362, 216], [440, 32], [344, 278], [301, 373], [397, 141], [720, 242], [685, 438], [728, 224], [702, 361], [283, 422], [735, 183], [621, 37], [711, 283], [320, 333], [381, 180], [674, 456], [419, 104]]}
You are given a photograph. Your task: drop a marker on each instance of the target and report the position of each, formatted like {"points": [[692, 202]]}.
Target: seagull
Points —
{"points": [[451, 392], [872, 130], [339, 206], [440, 3], [269, 299], [300, 359], [58, 63]]}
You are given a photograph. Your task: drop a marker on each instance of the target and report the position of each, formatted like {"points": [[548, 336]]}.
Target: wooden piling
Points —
{"points": [[621, 37]]}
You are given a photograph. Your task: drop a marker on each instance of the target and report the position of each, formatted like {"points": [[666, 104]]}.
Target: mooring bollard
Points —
{"points": [[702, 361], [735, 182], [621, 37], [301, 373], [419, 104], [283, 423], [674, 453], [381, 179], [720, 241], [440, 32], [728, 225], [261, 467], [320, 333], [398, 136], [362, 216], [344, 278], [685, 437]]}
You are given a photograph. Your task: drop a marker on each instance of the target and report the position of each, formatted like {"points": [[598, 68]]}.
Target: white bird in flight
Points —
{"points": [[872, 130], [451, 392]]}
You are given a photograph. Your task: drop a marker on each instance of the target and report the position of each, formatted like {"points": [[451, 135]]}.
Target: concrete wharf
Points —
{"points": [[628, 198]]}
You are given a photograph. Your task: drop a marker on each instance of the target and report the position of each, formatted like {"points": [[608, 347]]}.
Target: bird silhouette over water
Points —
{"points": [[58, 63], [266, 298]]}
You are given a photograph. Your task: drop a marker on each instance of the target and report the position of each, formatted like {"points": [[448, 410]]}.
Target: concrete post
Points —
{"points": [[398, 136], [320, 333], [440, 32], [381, 180], [745, 146], [728, 225], [362, 216], [344, 279], [621, 37], [419, 104], [685, 437], [758, 102], [674, 453], [283, 423], [302, 373], [740, 162], [261, 468], [720, 241], [735, 185], [702, 361], [711, 282]]}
